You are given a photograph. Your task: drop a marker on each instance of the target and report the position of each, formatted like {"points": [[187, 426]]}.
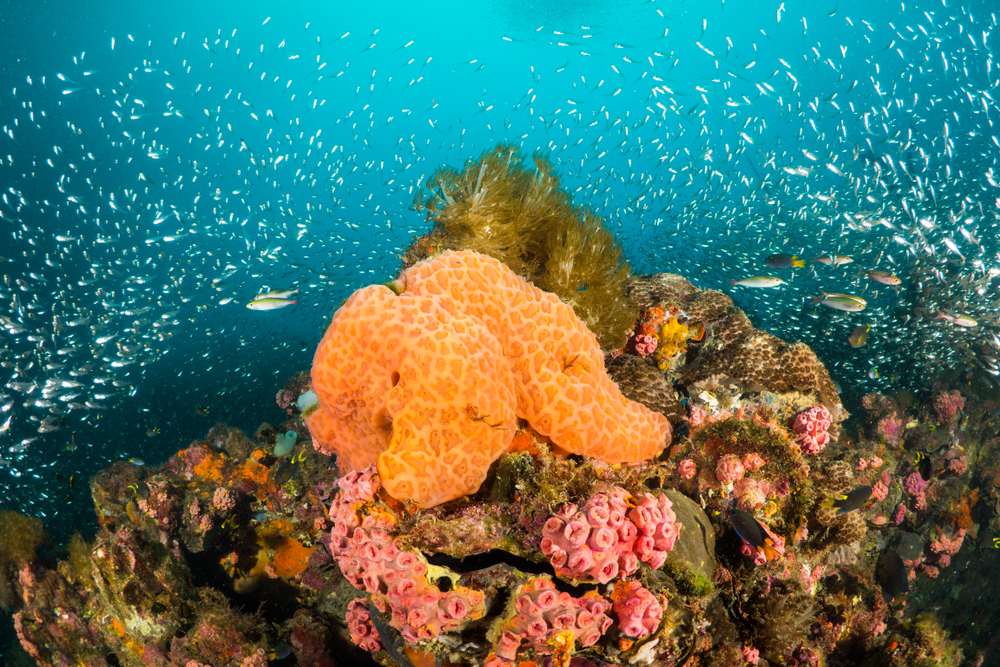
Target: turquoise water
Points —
{"points": [[162, 165]]}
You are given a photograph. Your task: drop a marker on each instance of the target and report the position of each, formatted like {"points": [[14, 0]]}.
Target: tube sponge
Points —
{"points": [[426, 380], [284, 443]]}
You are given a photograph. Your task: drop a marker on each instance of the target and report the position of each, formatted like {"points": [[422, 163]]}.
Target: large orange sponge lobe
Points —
{"points": [[425, 394], [427, 382]]}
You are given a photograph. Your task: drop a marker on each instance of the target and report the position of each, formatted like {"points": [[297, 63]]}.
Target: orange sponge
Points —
{"points": [[426, 383], [424, 393]]}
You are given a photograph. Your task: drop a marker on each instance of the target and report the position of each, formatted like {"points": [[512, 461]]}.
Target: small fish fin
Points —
{"points": [[832, 499]]}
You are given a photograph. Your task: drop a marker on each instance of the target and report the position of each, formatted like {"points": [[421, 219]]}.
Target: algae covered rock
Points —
{"points": [[694, 551]]}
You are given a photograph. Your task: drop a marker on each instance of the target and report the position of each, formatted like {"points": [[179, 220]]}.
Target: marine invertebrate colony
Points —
{"points": [[394, 577], [427, 382], [604, 538], [810, 429]]}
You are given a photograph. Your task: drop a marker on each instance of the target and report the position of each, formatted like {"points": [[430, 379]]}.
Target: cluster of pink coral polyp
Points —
{"points": [[656, 522], [729, 469], [542, 613], [395, 578], [638, 610], [359, 623], [810, 429], [605, 538]]}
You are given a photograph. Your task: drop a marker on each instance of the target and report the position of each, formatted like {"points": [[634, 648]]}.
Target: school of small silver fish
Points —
{"points": [[163, 197]]}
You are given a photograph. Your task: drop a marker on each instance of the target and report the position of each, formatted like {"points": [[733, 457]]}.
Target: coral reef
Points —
{"points": [[547, 621], [810, 428], [427, 382], [604, 538], [396, 578], [151, 588], [557, 523], [556, 559], [646, 384], [781, 620], [637, 609]]}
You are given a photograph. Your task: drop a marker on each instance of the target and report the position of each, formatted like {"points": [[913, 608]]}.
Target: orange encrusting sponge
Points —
{"points": [[427, 383]]}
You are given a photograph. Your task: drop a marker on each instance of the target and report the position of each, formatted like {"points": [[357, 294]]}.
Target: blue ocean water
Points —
{"points": [[162, 164]]}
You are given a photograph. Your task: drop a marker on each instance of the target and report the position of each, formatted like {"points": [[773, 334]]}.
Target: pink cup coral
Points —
{"points": [[947, 404], [915, 484], [752, 461], [605, 538], [729, 469], [890, 429], [542, 612], [656, 523], [394, 577], [638, 610], [810, 428], [687, 469]]}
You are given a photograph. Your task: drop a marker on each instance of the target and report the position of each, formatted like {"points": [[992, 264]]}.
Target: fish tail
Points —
{"points": [[732, 283], [798, 262], [770, 553]]}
